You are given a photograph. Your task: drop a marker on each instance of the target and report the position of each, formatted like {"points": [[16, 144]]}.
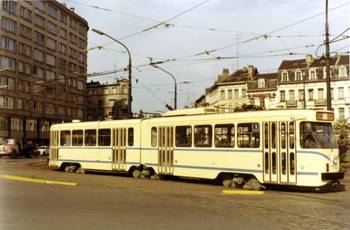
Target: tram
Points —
{"points": [[249, 149]]}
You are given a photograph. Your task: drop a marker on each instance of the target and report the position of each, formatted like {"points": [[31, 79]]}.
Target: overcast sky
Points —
{"points": [[213, 25]]}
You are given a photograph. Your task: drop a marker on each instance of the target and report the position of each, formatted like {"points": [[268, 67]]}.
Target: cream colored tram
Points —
{"points": [[105, 146], [268, 146], [284, 147]]}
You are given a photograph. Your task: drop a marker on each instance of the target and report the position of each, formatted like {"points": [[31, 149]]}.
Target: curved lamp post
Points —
{"points": [[129, 68], [175, 85]]}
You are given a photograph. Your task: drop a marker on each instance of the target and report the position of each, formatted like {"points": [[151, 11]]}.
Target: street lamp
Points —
{"points": [[129, 68], [175, 85]]}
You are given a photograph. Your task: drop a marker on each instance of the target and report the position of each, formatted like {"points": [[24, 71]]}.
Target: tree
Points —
{"points": [[342, 132]]}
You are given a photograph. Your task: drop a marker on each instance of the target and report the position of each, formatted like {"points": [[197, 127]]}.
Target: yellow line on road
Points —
{"points": [[35, 180], [242, 192]]}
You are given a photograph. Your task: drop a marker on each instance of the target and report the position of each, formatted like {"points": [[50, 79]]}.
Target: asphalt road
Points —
{"points": [[101, 201]]}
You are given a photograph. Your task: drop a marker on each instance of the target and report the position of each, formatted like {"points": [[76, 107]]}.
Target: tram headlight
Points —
{"points": [[334, 160]]}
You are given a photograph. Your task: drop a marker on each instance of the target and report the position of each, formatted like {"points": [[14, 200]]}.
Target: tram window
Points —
{"points": [[183, 136], [291, 135], [224, 135], [266, 139], [65, 138], [77, 138], [317, 135], [154, 137], [104, 137], [274, 163], [202, 136], [266, 162], [273, 135], [292, 164], [284, 163], [248, 135], [130, 136], [283, 135], [90, 137]]}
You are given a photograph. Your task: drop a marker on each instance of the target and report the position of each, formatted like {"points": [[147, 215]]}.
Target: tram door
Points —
{"points": [[279, 152], [166, 150], [119, 149]]}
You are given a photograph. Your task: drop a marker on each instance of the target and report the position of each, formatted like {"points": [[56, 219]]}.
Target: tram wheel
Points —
{"points": [[136, 173], [252, 184]]}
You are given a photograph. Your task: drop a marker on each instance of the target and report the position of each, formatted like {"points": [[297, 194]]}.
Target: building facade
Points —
{"points": [[107, 101], [286, 88], [43, 67]]}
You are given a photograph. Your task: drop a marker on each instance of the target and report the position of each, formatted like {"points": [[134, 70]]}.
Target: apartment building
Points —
{"points": [[286, 88], [43, 65], [107, 101]]}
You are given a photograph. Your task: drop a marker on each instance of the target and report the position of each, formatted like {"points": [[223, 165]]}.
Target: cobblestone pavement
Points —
{"points": [[273, 210]]}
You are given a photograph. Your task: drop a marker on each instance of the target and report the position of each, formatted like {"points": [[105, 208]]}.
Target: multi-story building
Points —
{"points": [[302, 84], [286, 88], [43, 67], [107, 101]]}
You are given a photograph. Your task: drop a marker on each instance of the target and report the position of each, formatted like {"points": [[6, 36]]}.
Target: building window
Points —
{"points": [[291, 95], [229, 94], [38, 55], [25, 31], [62, 48], [298, 76], [51, 43], [51, 60], [39, 21], [312, 74], [332, 93], [340, 93], [51, 27], [24, 67], [9, 6], [40, 4], [300, 94], [342, 71], [8, 44], [320, 94], [236, 94], [39, 38], [50, 75], [311, 94], [261, 83], [25, 13], [38, 72], [63, 17], [222, 94], [52, 11], [282, 96], [284, 76], [6, 62], [8, 24], [244, 93], [25, 49], [63, 33]]}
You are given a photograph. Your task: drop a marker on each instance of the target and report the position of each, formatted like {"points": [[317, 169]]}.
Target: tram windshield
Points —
{"points": [[317, 135]]}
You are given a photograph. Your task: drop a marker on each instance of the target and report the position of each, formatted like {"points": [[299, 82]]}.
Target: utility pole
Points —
{"points": [[328, 69]]}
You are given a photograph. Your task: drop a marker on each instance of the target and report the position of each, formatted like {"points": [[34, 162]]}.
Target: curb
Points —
{"points": [[35, 180], [242, 192]]}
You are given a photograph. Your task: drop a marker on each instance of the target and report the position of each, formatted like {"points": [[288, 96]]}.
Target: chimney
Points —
{"points": [[309, 59], [225, 74], [251, 72], [72, 9]]}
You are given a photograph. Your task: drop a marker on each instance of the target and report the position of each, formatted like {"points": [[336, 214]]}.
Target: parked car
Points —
{"points": [[10, 148], [43, 150]]}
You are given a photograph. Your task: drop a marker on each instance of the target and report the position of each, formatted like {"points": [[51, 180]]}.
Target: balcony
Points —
{"points": [[320, 102], [291, 103]]}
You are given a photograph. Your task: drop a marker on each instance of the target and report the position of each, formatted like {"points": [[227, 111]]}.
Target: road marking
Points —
{"points": [[242, 192], [35, 180]]}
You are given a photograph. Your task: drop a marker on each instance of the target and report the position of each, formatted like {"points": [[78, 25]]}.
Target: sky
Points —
{"points": [[201, 38]]}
